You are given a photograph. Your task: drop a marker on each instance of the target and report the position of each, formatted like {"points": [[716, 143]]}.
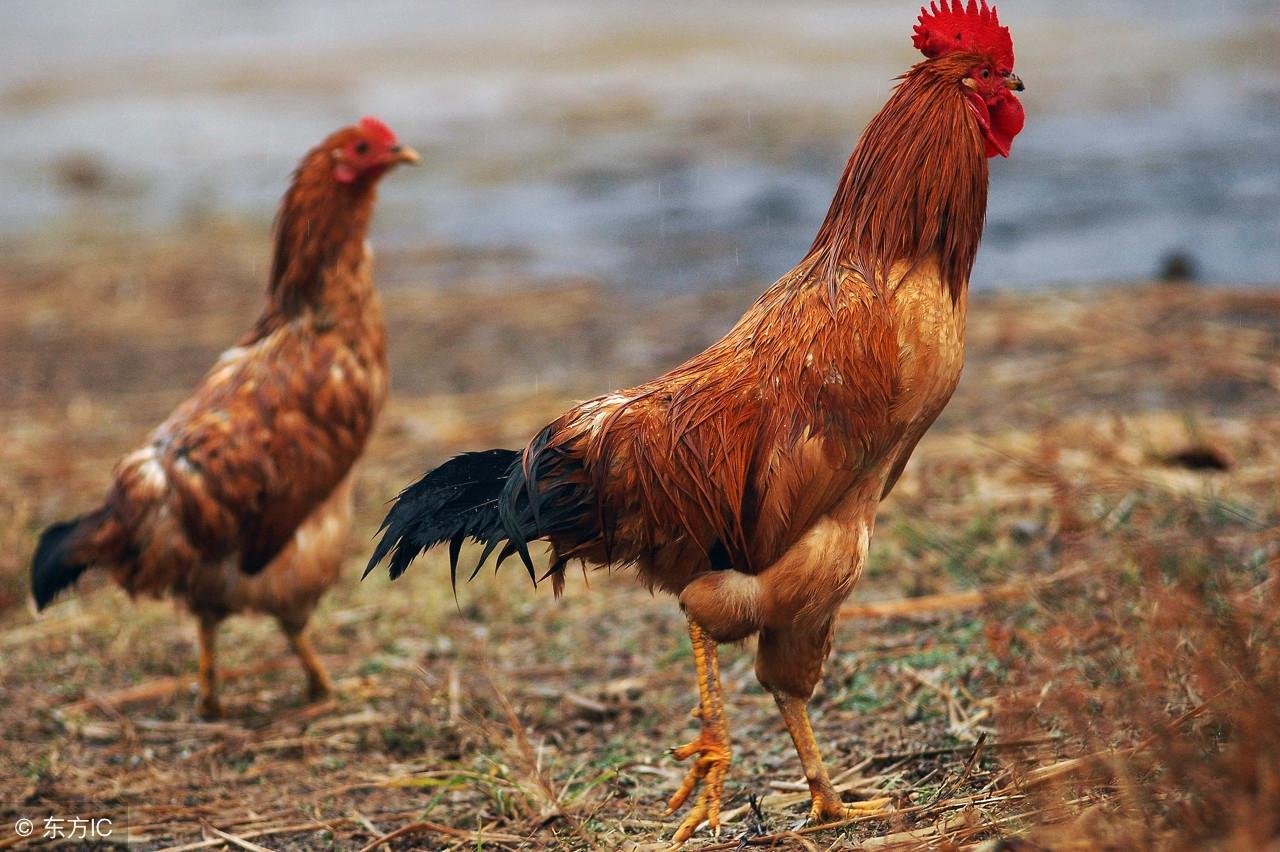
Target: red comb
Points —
{"points": [[974, 28], [377, 131]]}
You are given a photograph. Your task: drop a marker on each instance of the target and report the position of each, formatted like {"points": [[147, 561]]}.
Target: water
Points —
{"points": [[660, 147]]}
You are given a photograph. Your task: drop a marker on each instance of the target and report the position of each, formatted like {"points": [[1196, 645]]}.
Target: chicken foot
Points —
{"points": [[319, 686], [711, 746], [827, 806]]}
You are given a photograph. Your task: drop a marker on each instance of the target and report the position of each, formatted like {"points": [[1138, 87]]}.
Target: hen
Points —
{"points": [[241, 500], [746, 480]]}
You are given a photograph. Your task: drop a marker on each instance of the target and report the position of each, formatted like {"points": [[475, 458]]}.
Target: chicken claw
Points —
{"points": [[827, 806], [711, 746], [832, 809], [710, 769]]}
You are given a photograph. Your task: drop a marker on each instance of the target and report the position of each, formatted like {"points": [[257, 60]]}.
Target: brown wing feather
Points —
{"points": [[741, 448], [263, 440]]}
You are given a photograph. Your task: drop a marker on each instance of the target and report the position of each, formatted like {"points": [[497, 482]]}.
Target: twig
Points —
{"points": [[233, 839], [800, 840], [436, 828], [954, 600], [127, 728], [367, 823], [279, 829], [968, 768], [895, 756]]}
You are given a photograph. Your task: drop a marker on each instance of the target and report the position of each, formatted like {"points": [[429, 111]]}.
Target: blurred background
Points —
{"points": [[668, 147]]}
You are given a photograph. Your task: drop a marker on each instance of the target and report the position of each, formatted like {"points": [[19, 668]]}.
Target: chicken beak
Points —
{"points": [[405, 154], [1014, 82]]}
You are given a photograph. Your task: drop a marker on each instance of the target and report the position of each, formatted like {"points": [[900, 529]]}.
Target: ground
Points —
{"points": [[1009, 664]]}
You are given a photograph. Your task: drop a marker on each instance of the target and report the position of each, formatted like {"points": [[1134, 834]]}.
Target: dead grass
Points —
{"points": [[1164, 671], [1063, 633]]}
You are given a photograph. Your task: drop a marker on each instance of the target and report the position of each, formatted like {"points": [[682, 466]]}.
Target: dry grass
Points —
{"points": [[1063, 633], [1164, 671]]}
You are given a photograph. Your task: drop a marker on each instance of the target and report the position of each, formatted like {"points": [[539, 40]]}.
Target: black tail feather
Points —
{"points": [[54, 567], [545, 493], [556, 567], [489, 547], [455, 548], [456, 501], [488, 498]]}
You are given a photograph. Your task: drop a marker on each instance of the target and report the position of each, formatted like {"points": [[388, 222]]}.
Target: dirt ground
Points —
{"points": [[995, 675]]}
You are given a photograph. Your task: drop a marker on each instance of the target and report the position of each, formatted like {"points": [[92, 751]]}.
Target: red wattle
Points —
{"points": [[1007, 118], [999, 121]]}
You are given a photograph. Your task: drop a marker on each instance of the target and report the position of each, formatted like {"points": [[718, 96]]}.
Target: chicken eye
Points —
{"points": [[362, 148], [986, 72]]}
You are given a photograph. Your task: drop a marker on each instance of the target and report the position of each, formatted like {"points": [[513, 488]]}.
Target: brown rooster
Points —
{"points": [[241, 499], [746, 480]]}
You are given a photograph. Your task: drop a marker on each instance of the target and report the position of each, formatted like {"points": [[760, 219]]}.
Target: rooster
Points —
{"points": [[746, 480], [241, 500]]}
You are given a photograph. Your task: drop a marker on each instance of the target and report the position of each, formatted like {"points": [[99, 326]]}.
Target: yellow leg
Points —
{"points": [[827, 806], [208, 705], [318, 684], [711, 746]]}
